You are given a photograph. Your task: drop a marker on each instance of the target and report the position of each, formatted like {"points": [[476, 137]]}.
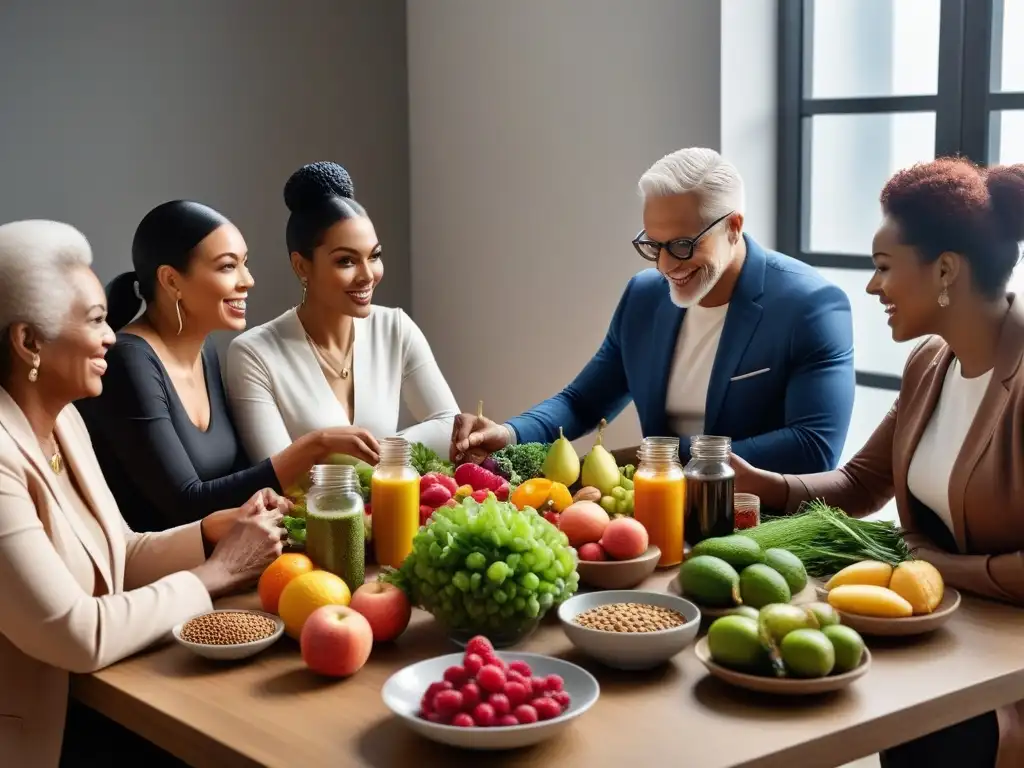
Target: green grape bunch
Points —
{"points": [[489, 566]]}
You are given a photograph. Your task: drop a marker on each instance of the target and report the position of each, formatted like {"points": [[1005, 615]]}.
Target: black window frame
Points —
{"points": [[964, 105]]}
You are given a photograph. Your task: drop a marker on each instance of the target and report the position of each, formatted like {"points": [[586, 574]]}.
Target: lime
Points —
{"points": [[745, 610], [824, 613], [761, 585], [780, 619], [808, 653], [848, 646], [733, 642]]}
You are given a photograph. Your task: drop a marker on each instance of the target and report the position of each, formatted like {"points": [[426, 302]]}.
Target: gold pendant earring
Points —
{"points": [[944, 297], [177, 309], [305, 286], [33, 374]]}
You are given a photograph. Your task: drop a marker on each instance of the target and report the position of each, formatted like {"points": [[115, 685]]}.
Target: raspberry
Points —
{"points": [[483, 715], [479, 645], [462, 720], [525, 714], [448, 703], [539, 685], [426, 705], [472, 664], [562, 698], [507, 720], [491, 679], [435, 688], [546, 708], [470, 696], [522, 668], [500, 702], [456, 676], [516, 693], [553, 683]]}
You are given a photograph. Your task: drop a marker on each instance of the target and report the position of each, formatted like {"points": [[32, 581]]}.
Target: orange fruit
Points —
{"points": [[559, 497], [305, 593], [277, 575], [532, 493]]}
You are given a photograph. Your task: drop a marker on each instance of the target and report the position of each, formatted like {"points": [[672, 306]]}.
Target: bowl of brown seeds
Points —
{"points": [[630, 629], [229, 633]]}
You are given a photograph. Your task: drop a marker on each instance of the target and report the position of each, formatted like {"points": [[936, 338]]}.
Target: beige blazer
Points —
{"points": [[985, 553], [51, 565]]}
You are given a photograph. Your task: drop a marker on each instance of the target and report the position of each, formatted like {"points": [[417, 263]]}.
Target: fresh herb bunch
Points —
{"points": [[521, 462], [425, 460], [296, 527], [827, 540]]}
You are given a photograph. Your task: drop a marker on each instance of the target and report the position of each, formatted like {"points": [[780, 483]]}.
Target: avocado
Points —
{"points": [[709, 581], [737, 551], [789, 565], [761, 585]]}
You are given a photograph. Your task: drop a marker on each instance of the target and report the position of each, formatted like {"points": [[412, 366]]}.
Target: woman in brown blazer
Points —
{"points": [[79, 589], [951, 450]]}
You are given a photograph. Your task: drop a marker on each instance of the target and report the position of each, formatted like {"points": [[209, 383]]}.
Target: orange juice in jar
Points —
{"points": [[395, 502], [659, 493]]}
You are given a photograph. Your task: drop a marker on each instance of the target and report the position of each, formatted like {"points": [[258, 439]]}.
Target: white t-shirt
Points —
{"points": [[932, 463], [690, 371]]}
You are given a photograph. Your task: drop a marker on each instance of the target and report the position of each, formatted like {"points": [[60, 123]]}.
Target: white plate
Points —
{"points": [[231, 652], [404, 690]]}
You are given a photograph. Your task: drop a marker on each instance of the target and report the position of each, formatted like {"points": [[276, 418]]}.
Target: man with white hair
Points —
{"points": [[724, 337]]}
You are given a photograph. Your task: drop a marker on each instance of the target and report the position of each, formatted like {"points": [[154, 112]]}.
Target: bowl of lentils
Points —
{"points": [[229, 633], [629, 629]]}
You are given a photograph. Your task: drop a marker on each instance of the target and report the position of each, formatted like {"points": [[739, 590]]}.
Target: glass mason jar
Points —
{"points": [[335, 530], [709, 489], [395, 502], [658, 497]]}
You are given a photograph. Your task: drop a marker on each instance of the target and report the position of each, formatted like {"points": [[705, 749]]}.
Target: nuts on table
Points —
{"points": [[228, 628], [630, 617]]}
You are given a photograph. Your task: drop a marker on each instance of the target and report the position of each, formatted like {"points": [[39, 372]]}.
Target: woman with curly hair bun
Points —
{"points": [[950, 450], [336, 359]]}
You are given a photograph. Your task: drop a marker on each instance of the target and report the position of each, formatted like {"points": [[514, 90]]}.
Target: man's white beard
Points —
{"points": [[700, 285]]}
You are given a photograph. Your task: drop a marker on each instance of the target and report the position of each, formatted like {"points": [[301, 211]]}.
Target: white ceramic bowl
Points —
{"points": [[231, 652], [629, 650], [404, 690]]}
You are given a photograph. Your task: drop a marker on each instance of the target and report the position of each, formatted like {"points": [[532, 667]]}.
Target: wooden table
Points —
{"points": [[270, 711]]}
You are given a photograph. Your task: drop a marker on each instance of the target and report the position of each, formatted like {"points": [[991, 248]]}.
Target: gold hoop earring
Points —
{"points": [[305, 286], [177, 309], [33, 374], [944, 296]]}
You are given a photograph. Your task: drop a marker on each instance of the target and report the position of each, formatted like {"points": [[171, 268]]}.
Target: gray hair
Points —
{"points": [[35, 256], [715, 181]]}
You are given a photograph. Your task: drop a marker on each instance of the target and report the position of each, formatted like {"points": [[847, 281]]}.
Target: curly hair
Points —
{"points": [[952, 204]]}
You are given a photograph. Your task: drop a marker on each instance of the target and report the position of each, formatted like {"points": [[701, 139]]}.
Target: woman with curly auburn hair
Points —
{"points": [[950, 449]]}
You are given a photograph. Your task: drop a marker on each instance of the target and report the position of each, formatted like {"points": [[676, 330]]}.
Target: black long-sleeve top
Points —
{"points": [[162, 469]]}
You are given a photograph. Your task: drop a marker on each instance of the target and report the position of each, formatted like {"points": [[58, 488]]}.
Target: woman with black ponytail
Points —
{"points": [[162, 428]]}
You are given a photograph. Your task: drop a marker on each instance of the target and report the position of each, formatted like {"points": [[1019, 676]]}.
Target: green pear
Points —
{"points": [[561, 464], [599, 467]]}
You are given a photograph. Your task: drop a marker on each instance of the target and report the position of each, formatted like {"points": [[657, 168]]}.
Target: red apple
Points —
{"points": [[336, 641], [385, 607]]}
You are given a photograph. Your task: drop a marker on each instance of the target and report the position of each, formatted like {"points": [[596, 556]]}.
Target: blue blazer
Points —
{"points": [[783, 316]]}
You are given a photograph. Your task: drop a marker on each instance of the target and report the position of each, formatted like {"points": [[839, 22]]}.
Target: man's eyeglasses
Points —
{"points": [[682, 248]]}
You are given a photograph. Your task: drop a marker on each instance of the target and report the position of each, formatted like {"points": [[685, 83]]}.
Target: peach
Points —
{"points": [[385, 606], [624, 538], [583, 522], [336, 641], [592, 551]]}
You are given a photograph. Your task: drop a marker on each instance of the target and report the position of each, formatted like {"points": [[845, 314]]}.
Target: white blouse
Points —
{"points": [[278, 391]]}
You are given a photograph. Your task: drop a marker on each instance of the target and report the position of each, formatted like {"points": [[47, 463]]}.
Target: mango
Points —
{"points": [[919, 583], [869, 600], [865, 572]]}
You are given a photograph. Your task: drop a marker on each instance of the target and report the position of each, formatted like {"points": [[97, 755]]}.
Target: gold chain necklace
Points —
{"points": [[56, 459], [345, 369]]}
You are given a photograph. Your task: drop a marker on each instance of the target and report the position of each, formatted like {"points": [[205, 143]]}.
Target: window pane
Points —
{"points": [[1006, 137], [1008, 63], [851, 157], [871, 48]]}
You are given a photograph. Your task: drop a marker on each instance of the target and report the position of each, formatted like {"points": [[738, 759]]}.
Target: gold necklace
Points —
{"points": [[56, 459], [346, 368]]}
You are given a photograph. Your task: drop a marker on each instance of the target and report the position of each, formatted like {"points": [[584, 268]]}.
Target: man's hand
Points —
{"points": [[476, 437]]}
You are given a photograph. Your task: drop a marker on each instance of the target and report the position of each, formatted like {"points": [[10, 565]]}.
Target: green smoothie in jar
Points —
{"points": [[335, 531]]}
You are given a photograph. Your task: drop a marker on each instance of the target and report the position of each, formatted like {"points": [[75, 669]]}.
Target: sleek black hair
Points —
{"points": [[319, 195], [168, 234]]}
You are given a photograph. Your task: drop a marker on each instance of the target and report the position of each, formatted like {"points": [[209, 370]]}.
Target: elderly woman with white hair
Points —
{"points": [[80, 589]]}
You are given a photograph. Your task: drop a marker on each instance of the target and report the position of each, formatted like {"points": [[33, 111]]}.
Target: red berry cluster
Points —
{"points": [[486, 691]]}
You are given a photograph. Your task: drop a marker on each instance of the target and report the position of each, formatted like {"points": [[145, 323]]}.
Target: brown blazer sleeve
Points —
{"points": [[1000, 577], [46, 614], [862, 486]]}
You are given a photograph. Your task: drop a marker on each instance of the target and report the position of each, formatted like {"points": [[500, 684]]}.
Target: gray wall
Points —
{"points": [[530, 123], [110, 107]]}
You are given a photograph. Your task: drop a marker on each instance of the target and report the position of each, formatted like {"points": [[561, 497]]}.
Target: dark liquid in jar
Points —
{"points": [[708, 509]]}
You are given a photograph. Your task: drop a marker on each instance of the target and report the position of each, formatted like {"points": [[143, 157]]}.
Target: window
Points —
{"points": [[867, 87]]}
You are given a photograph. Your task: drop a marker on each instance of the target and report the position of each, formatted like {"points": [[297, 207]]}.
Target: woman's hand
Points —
{"points": [[252, 543], [476, 437], [769, 487], [216, 525], [352, 441]]}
